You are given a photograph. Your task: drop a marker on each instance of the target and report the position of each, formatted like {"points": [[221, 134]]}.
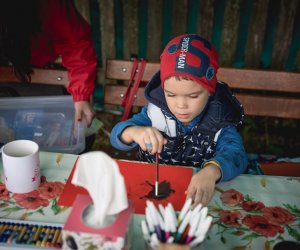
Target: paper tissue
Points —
{"points": [[101, 219]]}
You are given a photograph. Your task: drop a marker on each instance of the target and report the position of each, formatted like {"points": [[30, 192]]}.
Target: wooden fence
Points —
{"points": [[253, 34], [247, 33]]}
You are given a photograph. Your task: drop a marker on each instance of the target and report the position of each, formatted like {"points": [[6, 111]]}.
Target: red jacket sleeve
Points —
{"points": [[71, 38]]}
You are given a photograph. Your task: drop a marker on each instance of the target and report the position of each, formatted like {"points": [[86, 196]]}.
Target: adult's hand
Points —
{"points": [[84, 111]]}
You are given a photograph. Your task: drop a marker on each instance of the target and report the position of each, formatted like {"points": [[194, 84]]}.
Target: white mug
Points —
{"points": [[21, 166]]}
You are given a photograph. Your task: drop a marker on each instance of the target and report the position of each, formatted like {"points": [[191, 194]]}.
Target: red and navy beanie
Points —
{"points": [[193, 57]]}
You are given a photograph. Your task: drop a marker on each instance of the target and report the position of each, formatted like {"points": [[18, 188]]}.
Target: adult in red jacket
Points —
{"points": [[35, 33]]}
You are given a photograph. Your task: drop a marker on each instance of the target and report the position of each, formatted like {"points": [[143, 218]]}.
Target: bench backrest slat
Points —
{"points": [[40, 76], [262, 92], [236, 78]]}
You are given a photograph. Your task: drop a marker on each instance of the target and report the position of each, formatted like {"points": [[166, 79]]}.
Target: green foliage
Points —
{"points": [[265, 135]]}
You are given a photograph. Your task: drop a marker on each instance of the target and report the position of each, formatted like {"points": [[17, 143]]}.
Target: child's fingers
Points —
{"points": [[143, 138], [161, 141], [148, 146], [190, 192], [155, 144], [151, 140], [156, 141], [201, 197]]}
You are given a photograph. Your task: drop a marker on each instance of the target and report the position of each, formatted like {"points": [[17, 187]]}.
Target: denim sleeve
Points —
{"points": [[230, 154], [140, 119]]}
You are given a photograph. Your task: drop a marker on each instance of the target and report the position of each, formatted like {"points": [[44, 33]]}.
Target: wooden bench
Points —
{"points": [[39, 76], [262, 92]]}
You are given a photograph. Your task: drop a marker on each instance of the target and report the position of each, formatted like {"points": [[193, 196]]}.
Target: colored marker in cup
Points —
{"points": [[182, 227], [186, 207]]}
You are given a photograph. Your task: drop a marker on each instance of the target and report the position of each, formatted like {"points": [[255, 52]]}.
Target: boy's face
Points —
{"points": [[186, 99]]}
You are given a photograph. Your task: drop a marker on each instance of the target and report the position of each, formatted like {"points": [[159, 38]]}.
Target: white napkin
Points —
{"points": [[99, 174]]}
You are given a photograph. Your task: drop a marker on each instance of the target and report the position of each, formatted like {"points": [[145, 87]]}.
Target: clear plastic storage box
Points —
{"points": [[47, 120]]}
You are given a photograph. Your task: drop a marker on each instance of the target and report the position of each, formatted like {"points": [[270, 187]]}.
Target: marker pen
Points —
{"points": [[157, 222], [167, 226], [204, 226], [158, 230], [170, 220], [172, 212], [156, 213], [196, 210], [194, 226], [145, 230], [197, 241], [170, 240], [182, 226], [185, 233], [184, 210], [149, 220], [161, 210], [203, 214], [154, 242]]}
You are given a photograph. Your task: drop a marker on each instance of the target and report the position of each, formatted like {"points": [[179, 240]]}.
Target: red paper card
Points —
{"points": [[138, 178]]}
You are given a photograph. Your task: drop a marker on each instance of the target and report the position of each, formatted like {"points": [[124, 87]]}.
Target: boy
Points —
{"points": [[190, 120]]}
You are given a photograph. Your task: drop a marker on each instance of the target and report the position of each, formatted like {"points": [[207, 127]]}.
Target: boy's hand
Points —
{"points": [[202, 185], [148, 138]]}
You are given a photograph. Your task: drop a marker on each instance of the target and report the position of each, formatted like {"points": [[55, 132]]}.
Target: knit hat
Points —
{"points": [[193, 57]]}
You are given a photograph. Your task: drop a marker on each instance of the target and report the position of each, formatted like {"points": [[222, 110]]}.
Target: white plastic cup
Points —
{"points": [[21, 166]]}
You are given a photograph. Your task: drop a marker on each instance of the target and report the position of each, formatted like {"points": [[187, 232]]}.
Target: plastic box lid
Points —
{"points": [[47, 120]]}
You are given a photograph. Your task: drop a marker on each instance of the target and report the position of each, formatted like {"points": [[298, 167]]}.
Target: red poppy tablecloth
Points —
{"points": [[249, 212], [254, 212], [40, 205]]}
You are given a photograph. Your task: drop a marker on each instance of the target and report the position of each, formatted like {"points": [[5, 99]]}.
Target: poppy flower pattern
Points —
{"points": [[31, 203], [4, 193], [241, 215]]}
